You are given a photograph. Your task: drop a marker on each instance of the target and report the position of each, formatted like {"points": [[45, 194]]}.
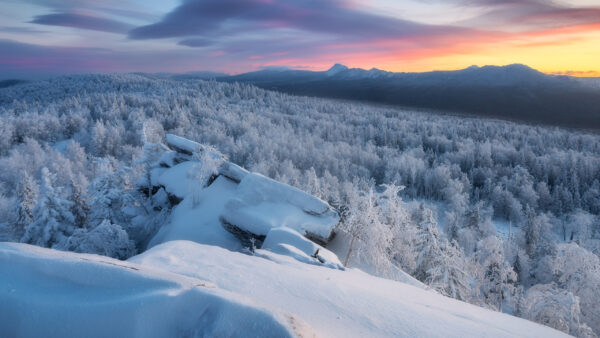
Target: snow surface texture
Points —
{"points": [[248, 201], [337, 303], [286, 241], [49, 293]]}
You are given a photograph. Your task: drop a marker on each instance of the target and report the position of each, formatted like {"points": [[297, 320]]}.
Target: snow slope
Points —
{"points": [[337, 303], [49, 293]]}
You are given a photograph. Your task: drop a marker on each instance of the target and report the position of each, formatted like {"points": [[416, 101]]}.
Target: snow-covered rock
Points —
{"points": [[183, 145], [248, 205], [175, 179], [49, 293], [336, 303], [233, 171], [196, 218], [261, 204]]}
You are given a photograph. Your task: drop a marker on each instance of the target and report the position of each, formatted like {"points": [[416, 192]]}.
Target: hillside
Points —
{"points": [[282, 285], [498, 214]]}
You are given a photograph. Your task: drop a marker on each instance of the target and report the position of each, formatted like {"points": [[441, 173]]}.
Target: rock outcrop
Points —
{"points": [[254, 205]]}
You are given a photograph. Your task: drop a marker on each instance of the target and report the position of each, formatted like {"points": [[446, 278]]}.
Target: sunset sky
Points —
{"points": [[40, 38]]}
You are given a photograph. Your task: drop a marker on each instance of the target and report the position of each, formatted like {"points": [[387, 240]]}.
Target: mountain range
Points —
{"points": [[512, 92]]}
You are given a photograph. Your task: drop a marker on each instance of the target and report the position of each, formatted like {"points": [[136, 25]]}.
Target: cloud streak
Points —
{"points": [[209, 17], [82, 21]]}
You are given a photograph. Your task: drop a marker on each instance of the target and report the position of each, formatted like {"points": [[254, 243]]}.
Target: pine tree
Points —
{"points": [[106, 239], [108, 196], [53, 221], [496, 277], [78, 196], [27, 193]]}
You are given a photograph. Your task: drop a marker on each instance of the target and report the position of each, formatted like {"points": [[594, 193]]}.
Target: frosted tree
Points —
{"points": [[370, 237], [151, 153], [522, 267], [439, 263], [427, 242], [538, 234], [53, 221], [359, 216], [208, 160], [496, 278], [78, 195], [108, 197], [476, 225], [27, 194], [448, 273], [106, 239], [578, 270], [549, 305]]}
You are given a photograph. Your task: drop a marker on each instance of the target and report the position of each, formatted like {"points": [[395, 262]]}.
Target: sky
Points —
{"points": [[48, 37]]}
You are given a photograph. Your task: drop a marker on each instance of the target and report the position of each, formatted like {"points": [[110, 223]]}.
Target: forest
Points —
{"points": [[490, 212]]}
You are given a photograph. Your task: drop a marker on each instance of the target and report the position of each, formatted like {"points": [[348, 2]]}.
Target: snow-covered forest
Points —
{"points": [[498, 214]]}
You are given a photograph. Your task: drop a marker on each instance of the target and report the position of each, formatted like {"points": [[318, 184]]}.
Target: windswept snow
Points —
{"points": [[49, 293], [286, 241], [337, 303]]}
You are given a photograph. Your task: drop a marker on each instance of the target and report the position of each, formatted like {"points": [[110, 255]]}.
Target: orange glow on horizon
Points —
{"points": [[570, 50]]}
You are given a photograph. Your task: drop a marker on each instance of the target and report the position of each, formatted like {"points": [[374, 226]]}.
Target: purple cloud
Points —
{"points": [[207, 18], [20, 30], [83, 22], [196, 42], [530, 14]]}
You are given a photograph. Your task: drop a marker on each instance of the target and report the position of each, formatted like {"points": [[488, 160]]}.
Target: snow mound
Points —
{"points": [[49, 293], [286, 241], [337, 303]]}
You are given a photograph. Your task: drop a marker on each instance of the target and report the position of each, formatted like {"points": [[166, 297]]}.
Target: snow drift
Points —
{"points": [[49, 293], [337, 303]]}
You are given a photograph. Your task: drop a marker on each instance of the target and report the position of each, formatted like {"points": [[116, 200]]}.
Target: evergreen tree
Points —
{"points": [[496, 277], [106, 239], [27, 193], [108, 196], [53, 221]]}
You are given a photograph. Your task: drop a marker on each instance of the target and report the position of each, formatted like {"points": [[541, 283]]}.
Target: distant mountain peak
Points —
{"points": [[276, 68], [337, 68]]}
